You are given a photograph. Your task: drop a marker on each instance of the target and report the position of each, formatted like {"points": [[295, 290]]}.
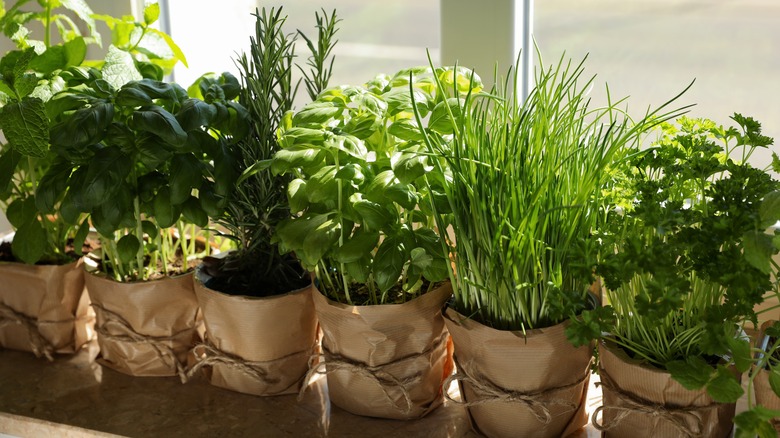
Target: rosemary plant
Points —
{"points": [[525, 191], [258, 201]]}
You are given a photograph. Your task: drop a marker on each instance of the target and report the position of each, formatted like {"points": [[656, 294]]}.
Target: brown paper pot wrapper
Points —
{"points": [[643, 401], [257, 346], [386, 361], [515, 385], [43, 309], [145, 328]]}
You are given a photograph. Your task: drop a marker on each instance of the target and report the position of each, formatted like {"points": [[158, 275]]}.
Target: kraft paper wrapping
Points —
{"points": [[640, 400], [43, 308], [520, 385], [386, 361], [145, 328], [257, 346]]}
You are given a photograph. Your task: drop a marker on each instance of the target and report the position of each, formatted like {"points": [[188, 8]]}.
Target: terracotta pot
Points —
{"points": [[145, 328], [644, 401], [386, 361], [520, 385], [43, 308], [253, 345]]}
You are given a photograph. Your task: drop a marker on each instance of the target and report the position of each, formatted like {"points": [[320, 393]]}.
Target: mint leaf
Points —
{"points": [[151, 13], [25, 84], [692, 373], [26, 127], [82, 10], [119, 68], [740, 351], [724, 388], [769, 210], [774, 381], [29, 242], [756, 422], [758, 249]]}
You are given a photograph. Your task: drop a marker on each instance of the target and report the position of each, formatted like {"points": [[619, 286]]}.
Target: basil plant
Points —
{"points": [[364, 209], [142, 161]]}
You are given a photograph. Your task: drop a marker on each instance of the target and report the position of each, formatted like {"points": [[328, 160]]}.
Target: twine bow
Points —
{"points": [[164, 352], [333, 362], [679, 417], [40, 346], [254, 370], [487, 392]]}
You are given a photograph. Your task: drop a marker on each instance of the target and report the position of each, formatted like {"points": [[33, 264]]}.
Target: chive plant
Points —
{"points": [[524, 193], [258, 201]]}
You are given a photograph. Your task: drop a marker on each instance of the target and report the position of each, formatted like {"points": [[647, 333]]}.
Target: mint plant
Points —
{"points": [[29, 77], [364, 220]]}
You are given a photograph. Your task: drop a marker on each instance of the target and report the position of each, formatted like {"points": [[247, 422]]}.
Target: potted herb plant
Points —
{"points": [[142, 159], [43, 307], [685, 260], [523, 190], [762, 417], [363, 225], [261, 328]]}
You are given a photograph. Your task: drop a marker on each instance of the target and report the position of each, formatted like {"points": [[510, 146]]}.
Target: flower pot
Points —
{"points": [[520, 385], [43, 308], [145, 328], [765, 396], [644, 401], [257, 346], [386, 361]]}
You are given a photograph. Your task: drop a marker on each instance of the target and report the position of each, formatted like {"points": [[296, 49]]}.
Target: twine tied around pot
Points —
{"points": [[254, 370], [487, 392], [156, 342], [40, 345], [333, 362], [676, 416]]}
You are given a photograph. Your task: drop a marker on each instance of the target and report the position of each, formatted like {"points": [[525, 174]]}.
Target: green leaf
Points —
{"points": [[758, 250], [359, 270], [25, 84], [440, 120], [52, 185], [724, 388], [29, 242], [81, 237], [132, 97], [21, 212], [85, 127], [85, 14], [316, 113], [105, 175], [322, 186], [302, 136], [420, 258], [770, 209], [195, 114], [740, 352], [388, 263], [26, 127], [119, 68], [194, 213], [360, 245], [296, 195], [403, 194], [75, 51], [152, 153], [128, 247], [252, 170], [174, 48], [8, 162], [291, 233], [692, 373], [319, 241], [756, 421], [408, 166], [160, 122], [54, 58], [151, 13], [287, 160], [407, 130], [774, 380], [185, 176], [149, 229], [375, 216], [165, 212], [348, 144]]}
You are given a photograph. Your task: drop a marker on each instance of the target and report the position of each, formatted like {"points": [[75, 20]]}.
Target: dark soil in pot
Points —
{"points": [[237, 275]]}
